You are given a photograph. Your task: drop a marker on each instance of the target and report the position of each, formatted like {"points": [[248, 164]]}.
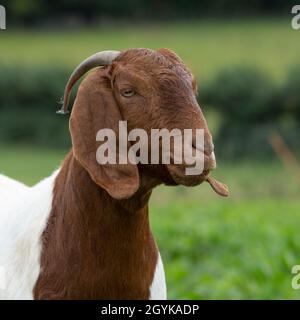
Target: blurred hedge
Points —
{"points": [[249, 103], [30, 12], [28, 101]]}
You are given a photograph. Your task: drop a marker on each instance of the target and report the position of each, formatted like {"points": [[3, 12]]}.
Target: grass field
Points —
{"points": [[206, 46], [241, 247]]}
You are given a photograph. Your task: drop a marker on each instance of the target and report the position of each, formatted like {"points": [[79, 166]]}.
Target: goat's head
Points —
{"points": [[148, 89]]}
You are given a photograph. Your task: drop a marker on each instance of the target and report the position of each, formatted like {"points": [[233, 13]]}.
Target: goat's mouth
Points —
{"points": [[180, 176]]}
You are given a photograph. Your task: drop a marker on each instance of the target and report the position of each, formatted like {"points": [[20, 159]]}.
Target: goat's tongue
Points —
{"points": [[218, 187]]}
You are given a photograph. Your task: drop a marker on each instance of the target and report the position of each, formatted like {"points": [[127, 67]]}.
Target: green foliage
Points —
{"points": [[29, 164], [30, 12], [206, 46], [228, 250], [251, 106], [244, 96], [31, 88], [28, 102], [291, 94]]}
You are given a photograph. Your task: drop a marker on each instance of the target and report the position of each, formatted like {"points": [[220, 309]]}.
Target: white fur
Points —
{"points": [[158, 289], [24, 213], [8, 184]]}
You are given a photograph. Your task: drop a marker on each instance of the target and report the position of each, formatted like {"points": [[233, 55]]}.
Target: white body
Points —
{"points": [[24, 212]]}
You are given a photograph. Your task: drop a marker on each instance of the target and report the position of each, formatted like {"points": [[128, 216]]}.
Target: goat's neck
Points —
{"points": [[95, 246]]}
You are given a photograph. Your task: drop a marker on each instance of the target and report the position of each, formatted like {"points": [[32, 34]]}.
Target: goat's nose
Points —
{"points": [[213, 161], [209, 152], [209, 148]]}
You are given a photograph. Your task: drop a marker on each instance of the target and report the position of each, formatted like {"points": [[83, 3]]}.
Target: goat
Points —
{"points": [[83, 232]]}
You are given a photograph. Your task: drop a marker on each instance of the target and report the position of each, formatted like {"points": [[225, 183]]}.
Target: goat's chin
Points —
{"points": [[178, 174]]}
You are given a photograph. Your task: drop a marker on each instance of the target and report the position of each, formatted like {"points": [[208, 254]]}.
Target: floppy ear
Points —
{"points": [[95, 108]]}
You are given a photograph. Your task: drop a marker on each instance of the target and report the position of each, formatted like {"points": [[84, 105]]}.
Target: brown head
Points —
{"points": [[148, 89]]}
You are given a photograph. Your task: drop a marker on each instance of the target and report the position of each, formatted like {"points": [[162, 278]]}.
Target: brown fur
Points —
{"points": [[95, 247], [98, 243]]}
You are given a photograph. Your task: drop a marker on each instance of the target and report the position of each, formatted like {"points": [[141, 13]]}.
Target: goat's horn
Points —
{"points": [[98, 59]]}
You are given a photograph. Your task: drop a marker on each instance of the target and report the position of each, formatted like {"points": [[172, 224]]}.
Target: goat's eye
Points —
{"points": [[128, 93]]}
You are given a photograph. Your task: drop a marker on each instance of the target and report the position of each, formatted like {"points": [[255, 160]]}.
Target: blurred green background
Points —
{"points": [[246, 59]]}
